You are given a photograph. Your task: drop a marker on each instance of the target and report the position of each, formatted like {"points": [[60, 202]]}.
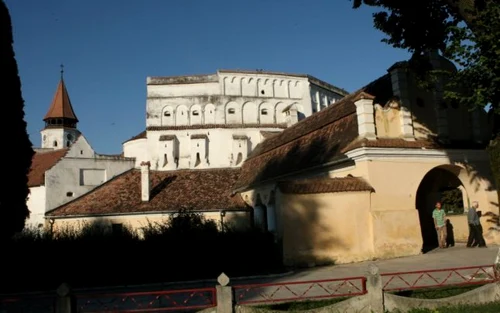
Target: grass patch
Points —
{"points": [[493, 307], [302, 305], [436, 293]]}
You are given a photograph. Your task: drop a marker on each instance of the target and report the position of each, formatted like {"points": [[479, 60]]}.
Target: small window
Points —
{"points": [[69, 194], [165, 160], [67, 143], [239, 158], [231, 111], [81, 152], [263, 92], [167, 113], [55, 143], [198, 160], [196, 113], [263, 111]]}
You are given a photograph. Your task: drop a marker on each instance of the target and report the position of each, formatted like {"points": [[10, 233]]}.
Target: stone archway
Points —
{"points": [[438, 182]]}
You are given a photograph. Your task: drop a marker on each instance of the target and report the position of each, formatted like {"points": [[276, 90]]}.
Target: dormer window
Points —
{"points": [[196, 113], [231, 111], [167, 113], [263, 111]]}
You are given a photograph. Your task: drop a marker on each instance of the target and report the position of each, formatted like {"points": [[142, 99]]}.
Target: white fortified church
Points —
{"points": [[335, 177], [214, 121]]}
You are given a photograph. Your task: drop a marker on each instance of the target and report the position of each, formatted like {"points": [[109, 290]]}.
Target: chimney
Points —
{"points": [[145, 181], [365, 115]]}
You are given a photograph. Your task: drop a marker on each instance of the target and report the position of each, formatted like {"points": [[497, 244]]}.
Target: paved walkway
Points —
{"points": [[457, 256], [454, 257]]}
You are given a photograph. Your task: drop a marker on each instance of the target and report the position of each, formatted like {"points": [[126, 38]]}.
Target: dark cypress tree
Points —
{"points": [[17, 151]]}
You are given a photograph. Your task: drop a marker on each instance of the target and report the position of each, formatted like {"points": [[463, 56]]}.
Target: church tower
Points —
{"points": [[60, 121]]}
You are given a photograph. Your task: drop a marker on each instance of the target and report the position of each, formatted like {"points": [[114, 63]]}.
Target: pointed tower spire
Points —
{"points": [[60, 121], [60, 113]]}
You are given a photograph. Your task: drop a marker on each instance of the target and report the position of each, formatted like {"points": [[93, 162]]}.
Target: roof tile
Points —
{"points": [[324, 185], [199, 190], [61, 105], [42, 162]]}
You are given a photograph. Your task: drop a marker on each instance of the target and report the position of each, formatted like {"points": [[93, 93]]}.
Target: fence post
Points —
{"points": [[225, 303], [374, 288], [65, 302]]}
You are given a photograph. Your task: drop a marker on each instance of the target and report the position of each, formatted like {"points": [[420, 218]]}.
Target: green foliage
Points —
{"points": [[465, 31], [493, 307], [302, 305], [452, 201], [14, 193], [494, 153], [186, 246]]}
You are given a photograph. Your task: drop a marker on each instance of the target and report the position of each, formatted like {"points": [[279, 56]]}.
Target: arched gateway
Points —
{"points": [[456, 186]]}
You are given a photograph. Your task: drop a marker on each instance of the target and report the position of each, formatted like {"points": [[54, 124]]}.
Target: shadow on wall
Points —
{"points": [[463, 130], [308, 238]]}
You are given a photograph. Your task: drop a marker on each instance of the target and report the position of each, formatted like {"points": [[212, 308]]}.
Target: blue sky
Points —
{"points": [[109, 47]]}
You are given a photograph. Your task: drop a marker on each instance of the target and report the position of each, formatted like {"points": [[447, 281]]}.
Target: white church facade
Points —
{"points": [[215, 121], [335, 178], [65, 166]]}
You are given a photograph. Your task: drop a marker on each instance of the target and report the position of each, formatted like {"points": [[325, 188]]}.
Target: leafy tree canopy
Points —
{"points": [[464, 31]]}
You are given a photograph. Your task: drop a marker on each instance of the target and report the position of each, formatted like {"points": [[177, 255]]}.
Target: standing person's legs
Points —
{"points": [[480, 238], [472, 235], [442, 236]]}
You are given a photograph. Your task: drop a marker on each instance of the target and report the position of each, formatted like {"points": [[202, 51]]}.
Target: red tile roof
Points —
{"points": [[199, 190], [318, 139], [325, 185], [140, 135], [61, 105], [312, 141], [42, 162]]}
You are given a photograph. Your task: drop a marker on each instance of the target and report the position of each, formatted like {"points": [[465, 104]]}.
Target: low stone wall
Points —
{"points": [[378, 301]]}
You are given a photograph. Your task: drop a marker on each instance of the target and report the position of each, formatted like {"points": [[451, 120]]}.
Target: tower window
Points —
{"points": [[167, 113], [196, 113], [231, 111], [55, 143], [263, 111]]}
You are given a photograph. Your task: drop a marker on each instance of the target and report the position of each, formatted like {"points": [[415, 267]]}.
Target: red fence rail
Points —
{"points": [[299, 290], [448, 277], [28, 303], [158, 301]]}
